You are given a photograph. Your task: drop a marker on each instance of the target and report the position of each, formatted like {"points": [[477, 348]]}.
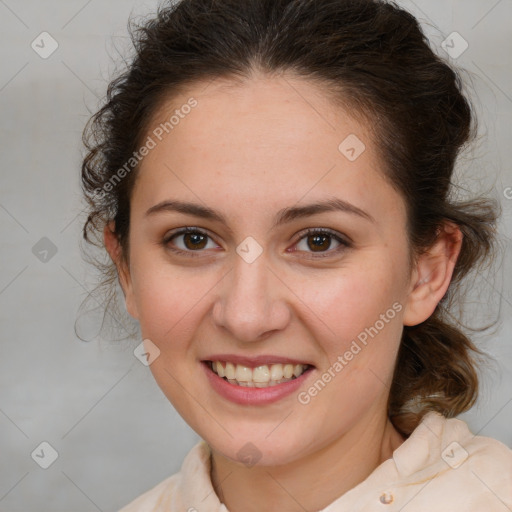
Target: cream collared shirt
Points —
{"points": [[440, 467]]}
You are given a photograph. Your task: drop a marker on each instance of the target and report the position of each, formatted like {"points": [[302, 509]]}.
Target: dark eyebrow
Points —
{"points": [[329, 205], [283, 216]]}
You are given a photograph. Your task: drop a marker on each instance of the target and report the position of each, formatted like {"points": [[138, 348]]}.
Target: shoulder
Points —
{"points": [[478, 474], [182, 487], [487, 465], [151, 499], [459, 446], [463, 470]]}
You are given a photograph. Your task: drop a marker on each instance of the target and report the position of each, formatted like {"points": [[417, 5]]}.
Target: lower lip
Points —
{"points": [[253, 396]]}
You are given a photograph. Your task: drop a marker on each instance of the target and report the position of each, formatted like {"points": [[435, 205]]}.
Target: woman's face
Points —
{"points": [[249, 285]]}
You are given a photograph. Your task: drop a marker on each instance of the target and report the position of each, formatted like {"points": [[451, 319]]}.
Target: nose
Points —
{"points": [[252, 301]]}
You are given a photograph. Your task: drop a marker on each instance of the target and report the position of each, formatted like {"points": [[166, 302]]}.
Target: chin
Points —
{"points": [[257, 452]]}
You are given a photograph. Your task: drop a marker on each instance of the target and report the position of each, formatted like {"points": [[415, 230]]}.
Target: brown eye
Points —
{"points": [[194, 241], [321, 241], [188, 240]]}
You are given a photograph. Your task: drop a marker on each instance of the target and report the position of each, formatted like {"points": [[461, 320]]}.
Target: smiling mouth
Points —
{"points": [[259, 377]]}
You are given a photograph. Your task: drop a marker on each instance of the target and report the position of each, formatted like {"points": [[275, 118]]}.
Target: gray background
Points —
{"points": [[95, 403]]}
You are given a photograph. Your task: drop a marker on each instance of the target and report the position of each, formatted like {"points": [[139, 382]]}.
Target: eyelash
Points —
{"points": [[344, 243]]}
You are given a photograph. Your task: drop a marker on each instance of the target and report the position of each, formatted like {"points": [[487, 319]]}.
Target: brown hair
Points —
{"points": [[370, 56]]}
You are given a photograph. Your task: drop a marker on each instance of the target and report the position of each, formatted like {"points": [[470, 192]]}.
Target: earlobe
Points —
{"points": [[432, 275], [115, 252]]}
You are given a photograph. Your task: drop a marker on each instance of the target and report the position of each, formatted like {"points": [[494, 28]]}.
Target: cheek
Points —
{"points": [[352, 300], [167, 296], [171, 304], [167, 306], [357, 325]]}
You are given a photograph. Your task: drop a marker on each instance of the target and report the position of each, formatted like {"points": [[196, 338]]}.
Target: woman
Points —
{"points": [[272, 180]]}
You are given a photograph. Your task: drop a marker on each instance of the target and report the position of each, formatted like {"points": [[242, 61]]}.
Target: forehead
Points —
{"points": [[262, 112], [270, 140]]}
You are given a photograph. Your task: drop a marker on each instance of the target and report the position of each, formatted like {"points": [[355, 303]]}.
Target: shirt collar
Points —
{"points": [[195, 487], [420, 452]]}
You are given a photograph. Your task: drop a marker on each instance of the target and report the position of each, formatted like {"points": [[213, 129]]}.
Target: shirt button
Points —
{"points": [[386, 498]]}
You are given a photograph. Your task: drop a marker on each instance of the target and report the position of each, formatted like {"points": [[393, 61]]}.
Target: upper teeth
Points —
{"points": [[260, 376]]}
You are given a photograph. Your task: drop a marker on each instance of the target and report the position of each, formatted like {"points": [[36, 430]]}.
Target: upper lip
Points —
{"points": [[253, 362]]}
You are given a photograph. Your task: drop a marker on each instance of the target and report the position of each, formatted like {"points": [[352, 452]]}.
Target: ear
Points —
{"points": [[432, 275], [123, 272]]}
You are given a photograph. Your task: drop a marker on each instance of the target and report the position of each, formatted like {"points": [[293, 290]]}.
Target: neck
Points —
{"points": [[338, 466]]}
